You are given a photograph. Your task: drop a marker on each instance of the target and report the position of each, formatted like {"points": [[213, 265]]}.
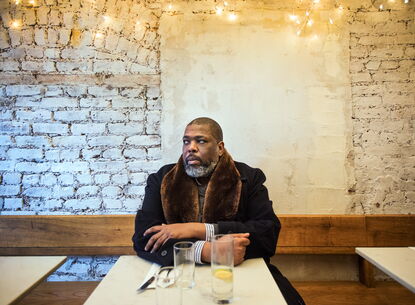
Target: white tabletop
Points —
{"points": [[19, 274], [253, 284], [399, 263]]}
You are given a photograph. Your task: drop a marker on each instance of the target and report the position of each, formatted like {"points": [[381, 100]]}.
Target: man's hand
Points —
{"points": [[175, 230], [240, 242]]}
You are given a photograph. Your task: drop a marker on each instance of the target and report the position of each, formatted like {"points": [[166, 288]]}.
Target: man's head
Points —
{"points": [[202, 147]]}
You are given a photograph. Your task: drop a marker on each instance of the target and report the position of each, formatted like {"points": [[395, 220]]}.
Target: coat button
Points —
{"points": [[163, 253]]}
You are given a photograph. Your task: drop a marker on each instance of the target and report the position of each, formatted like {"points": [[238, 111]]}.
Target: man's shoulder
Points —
{"points": [[246, 171], [165, 169]]}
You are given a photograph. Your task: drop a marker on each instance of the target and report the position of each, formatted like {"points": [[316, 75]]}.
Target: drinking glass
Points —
{"points": [[222, 268], [184, 262], [168, 291]]}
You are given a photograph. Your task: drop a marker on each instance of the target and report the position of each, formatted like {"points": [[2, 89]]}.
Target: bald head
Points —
{"points": [[214, 127]]}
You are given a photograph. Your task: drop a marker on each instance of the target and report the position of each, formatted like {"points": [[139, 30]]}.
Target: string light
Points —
{"points": [[32, 2], [98, 35], [331, 21], [381, 7], [293, 17], [232, 16], [307, 13], [219, 10], [310, 22], [225, 3], [316, 1], [15, 24], [298, 32], [17, 2], [107, 19], [406, 1], [170, 7]]}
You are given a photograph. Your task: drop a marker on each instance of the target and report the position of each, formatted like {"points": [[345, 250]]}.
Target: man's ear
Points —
{"points": [[221, 148]]}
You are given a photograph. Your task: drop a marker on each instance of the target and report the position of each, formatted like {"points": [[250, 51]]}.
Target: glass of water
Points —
{"points": [[222, 269], [184, 262]]}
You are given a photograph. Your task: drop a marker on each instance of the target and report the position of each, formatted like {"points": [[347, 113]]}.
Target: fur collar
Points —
{"points": [[180, 197]]}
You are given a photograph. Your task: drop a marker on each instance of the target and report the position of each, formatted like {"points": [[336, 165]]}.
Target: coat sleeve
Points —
{"points": [[258, 218], [150, 215]]}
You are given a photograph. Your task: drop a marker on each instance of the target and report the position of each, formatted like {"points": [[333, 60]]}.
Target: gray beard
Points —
{"points": [[201, 170]]}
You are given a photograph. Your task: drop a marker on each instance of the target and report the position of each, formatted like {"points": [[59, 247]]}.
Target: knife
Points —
{"points": [[146, 284]]}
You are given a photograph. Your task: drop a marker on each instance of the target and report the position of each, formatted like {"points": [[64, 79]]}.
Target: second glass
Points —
{"points": [[222, 268], [184, 263]]}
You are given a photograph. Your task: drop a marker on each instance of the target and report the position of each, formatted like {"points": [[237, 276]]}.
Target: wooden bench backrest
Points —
{"points": [[111, 234]]}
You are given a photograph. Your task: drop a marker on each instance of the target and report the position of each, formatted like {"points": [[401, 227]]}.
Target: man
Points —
{"points": [[207, 193]]}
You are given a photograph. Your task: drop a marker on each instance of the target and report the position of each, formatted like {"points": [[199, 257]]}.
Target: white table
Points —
{"points": [[253, 284], [399, 263], [20, 274]]}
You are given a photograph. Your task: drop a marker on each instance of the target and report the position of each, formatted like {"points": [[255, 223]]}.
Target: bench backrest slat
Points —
{"points": [[111, 234]]}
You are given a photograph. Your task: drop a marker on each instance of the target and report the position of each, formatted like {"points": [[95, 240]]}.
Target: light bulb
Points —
{"points": [[406, 1], [331, 21], [298, 32], [225, 3], [232, 16], [17, 2], [316, 1], [15, 24], [170, 7], [381, 7], [32, 2], [98, 35], [293, 17], [219, 11], [310, 22], [307, 13], [107, 19]]}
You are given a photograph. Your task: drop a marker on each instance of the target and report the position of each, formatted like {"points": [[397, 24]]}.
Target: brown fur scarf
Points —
{"points": [[180, 197]]}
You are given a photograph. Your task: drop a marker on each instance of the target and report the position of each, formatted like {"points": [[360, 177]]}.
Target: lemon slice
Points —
{"points": [[224, 275]]}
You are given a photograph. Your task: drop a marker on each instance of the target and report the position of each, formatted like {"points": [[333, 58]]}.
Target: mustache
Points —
{"points": [[192, 157]]}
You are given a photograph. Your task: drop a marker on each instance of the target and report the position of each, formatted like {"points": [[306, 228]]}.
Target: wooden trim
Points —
{"points": [[366, 273], [111, 234]]}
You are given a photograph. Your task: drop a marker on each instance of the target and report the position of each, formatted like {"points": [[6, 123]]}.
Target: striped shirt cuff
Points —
{"points": [[210, 231], [198, 251]]}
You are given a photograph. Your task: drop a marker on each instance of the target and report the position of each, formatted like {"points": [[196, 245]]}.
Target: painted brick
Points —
{"points": [[87, 190], [113, 154], [132, 204], [125, 128], [120, 179], [38, 115], [107, 116], [143, 140], [50, 128], [115, 204], [32, 167], [7, 165], [59, 102], [88, 203], [89, 154], [94, 102], [154, 153], [102, 178], [48, 179], [25, 154], [12, 178], [53, 91], [128, 103], [10, 65], [106, 141], [108, 166], [138, 178], [84, 178], [70, 116], [111, 191], [36, 141], [90, 128], [13, 203], [5, 140], [66, 179], [29, 180], [79, 166], [69, 141], [135, 153], [38, 192], [102, 91], [23, 90]]}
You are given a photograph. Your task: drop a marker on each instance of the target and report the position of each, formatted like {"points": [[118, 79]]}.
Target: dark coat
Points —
{"points": [[255, 215]]}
